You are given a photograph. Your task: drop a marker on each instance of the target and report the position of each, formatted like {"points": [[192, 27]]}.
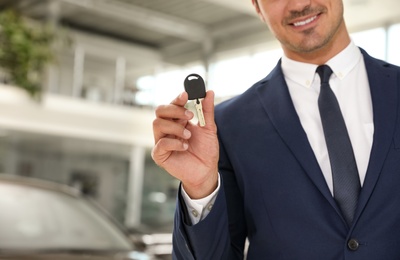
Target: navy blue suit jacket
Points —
{"points": [[273, 190]]}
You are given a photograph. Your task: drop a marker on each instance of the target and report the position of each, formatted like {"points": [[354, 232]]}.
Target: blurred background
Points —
{"points": [[80, 80]]}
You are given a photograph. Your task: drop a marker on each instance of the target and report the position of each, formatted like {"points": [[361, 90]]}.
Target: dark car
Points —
{"points": [[44, 220]]}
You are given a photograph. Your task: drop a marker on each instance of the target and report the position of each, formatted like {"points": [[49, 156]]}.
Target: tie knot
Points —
{"points": [[324, 72]]}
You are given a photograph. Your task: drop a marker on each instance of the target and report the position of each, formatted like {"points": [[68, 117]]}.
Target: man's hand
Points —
{"points": [[187, 151]]}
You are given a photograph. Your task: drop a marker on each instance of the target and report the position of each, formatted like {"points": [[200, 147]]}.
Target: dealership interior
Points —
{"points": [[115, 62]]}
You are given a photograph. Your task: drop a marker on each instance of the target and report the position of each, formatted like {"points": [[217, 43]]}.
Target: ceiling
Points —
{"points": [[179, 30]]}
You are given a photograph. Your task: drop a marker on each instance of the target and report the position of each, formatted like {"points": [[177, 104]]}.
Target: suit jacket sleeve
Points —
{"points": [[221, 235]]}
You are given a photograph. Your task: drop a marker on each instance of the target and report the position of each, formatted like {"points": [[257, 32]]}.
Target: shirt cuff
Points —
{"points": [[199, 209]]}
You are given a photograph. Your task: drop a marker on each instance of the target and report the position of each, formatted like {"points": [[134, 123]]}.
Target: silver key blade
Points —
{"points": [[199, 110]]}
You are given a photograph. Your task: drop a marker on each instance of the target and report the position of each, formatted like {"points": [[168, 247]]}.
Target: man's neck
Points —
{"points": [[322, 55]]}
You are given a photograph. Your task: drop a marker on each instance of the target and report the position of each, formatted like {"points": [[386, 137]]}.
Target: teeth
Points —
{"points": [[309, 20]]}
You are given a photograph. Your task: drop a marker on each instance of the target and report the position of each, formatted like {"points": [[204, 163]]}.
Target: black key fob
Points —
{"points": [[195, 87]]}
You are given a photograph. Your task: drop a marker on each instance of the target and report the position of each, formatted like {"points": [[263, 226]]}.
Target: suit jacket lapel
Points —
{"points": [[275, 99], [384, 84]]}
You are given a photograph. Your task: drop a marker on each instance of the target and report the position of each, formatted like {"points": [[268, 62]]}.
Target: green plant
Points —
{"points": [[25, 50]]}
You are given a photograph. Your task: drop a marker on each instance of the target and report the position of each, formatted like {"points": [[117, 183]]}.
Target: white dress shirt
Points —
{"points": [[349, 82]]}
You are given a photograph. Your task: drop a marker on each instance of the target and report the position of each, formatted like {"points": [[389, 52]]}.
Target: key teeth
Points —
{"points": [[199, 111]]}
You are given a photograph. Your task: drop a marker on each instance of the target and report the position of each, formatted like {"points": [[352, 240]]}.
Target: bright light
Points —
{"points": [[375, 47], [393, 44], [227, 77]]}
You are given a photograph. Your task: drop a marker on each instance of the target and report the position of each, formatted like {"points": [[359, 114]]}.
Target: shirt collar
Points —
{"points": [[304, 73]]}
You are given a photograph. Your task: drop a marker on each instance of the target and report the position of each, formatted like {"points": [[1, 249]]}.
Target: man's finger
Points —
{"points": [[181, 100], [208, 108], [163, 128]]}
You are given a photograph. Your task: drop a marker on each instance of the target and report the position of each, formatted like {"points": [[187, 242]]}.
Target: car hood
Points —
{"points": [[55, 256], [75, 256]]}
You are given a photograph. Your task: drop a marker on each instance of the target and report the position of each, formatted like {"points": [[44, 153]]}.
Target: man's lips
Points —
{"points": [[304, 22]]}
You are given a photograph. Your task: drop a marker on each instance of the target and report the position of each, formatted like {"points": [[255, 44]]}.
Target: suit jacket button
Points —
{"points": [[353, 244]]}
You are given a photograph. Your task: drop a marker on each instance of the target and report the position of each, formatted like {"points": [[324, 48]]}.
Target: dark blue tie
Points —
{"points": [[346, 181]]}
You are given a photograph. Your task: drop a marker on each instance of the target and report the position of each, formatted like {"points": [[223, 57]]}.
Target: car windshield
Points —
{"points": [[39, 219]]}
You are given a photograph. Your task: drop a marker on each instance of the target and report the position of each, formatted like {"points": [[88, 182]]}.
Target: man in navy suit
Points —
{"points": [[266, 174]]}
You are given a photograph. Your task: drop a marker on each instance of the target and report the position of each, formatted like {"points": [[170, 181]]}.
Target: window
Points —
{"points": [[164, 86], [393, 44], [375, 47]]}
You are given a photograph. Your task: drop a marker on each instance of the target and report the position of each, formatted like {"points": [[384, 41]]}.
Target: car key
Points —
{"points": [[196, 89]]}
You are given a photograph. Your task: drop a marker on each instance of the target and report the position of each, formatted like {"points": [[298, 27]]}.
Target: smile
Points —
{"points": [[302, 23]]}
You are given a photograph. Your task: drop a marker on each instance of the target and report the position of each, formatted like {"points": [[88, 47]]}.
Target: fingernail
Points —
{"points": [[185, 146], [187, 133]]}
